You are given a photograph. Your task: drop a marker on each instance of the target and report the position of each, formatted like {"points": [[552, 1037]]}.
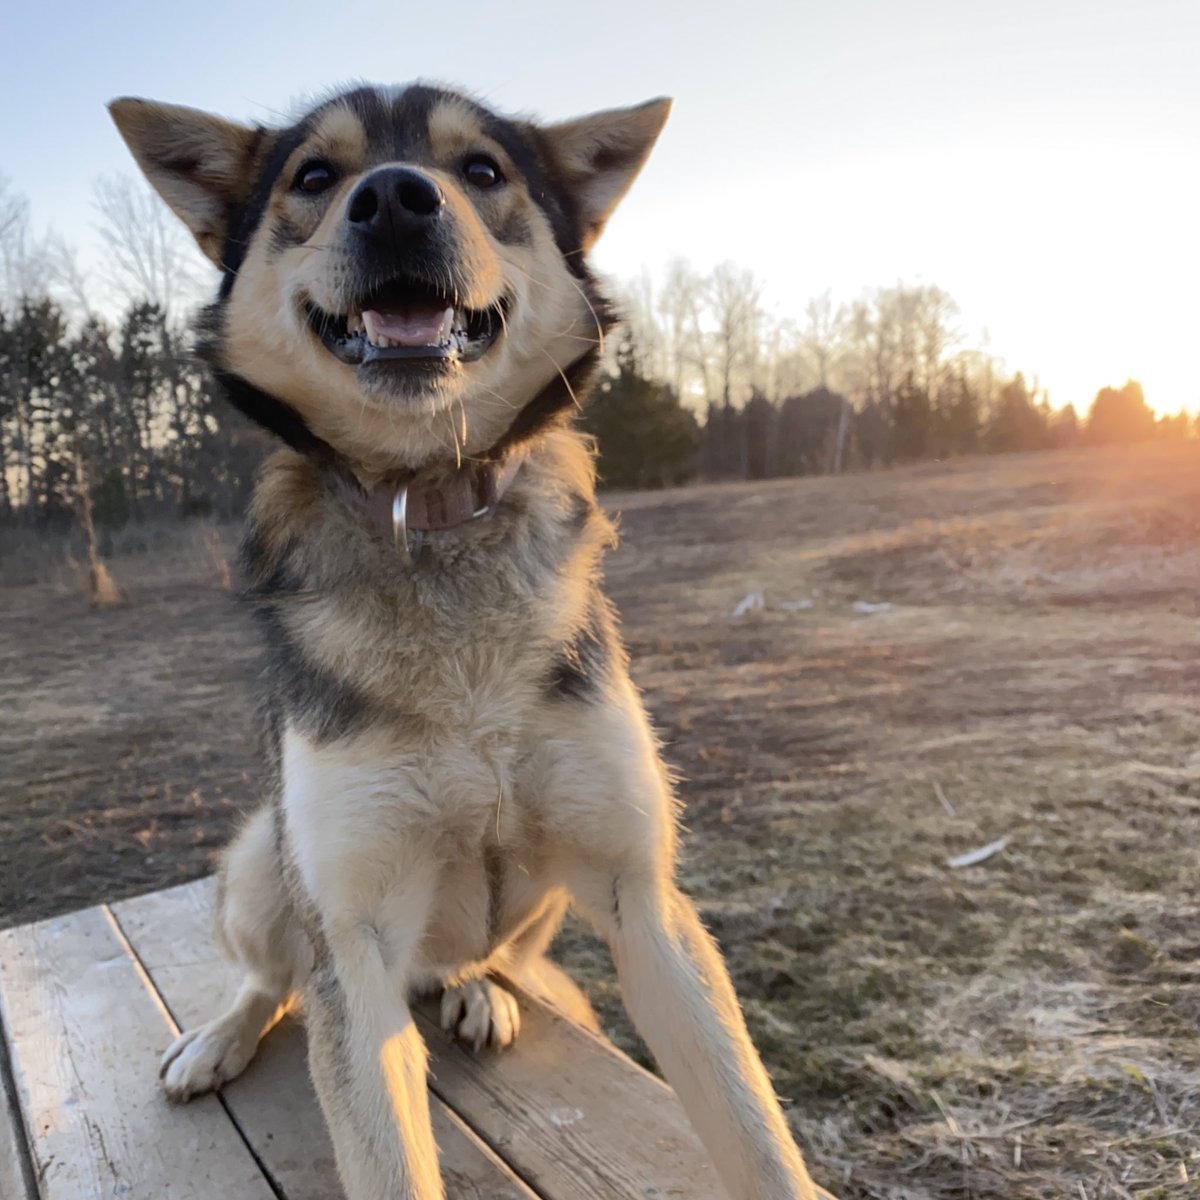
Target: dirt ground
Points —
{"points": [[942, 657]]}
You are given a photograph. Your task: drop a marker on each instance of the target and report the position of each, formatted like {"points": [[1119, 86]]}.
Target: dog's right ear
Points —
{"points": [[200, 164]]}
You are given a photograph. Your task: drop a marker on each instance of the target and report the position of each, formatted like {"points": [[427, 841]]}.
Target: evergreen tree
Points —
{"points": [[1017, 423], [645, 438], [1064, 428], [912, 421], [808, 427], [958, 419], [1120, 415], [760, 420]]}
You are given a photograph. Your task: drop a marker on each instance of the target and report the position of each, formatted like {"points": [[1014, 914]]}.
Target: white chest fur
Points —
{"points": [[367, 820]]}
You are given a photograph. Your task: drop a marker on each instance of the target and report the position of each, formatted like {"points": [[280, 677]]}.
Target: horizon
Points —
{"points": [[1039, 166]]}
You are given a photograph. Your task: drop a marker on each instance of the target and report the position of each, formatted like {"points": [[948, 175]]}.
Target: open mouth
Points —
{"points": [[407, 320]]}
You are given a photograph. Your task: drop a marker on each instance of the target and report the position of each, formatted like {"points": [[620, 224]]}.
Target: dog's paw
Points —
{"points": [[202, 1059], [482, 1013]]}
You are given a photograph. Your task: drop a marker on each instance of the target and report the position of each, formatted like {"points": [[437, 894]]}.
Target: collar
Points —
{"points": [[405, 510]]}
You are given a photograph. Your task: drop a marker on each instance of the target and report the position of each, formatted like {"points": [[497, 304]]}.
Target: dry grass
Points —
{"points": [[156, 553], [1025, 1027]]}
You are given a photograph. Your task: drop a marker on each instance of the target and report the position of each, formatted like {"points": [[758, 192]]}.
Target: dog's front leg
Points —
{"points": [[673, 980], [369, 884], [368, 1065], [678, 993]]}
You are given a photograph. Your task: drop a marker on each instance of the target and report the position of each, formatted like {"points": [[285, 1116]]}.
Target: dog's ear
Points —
{"points": [[599, 156], [200, 164]]}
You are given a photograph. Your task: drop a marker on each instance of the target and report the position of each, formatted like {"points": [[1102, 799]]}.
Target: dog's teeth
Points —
{"points": [[447, 324], [354, 323], [370, 322]]}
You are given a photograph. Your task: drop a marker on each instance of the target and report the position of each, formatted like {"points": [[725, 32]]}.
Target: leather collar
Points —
{"points": [[404, 510], [409, 508]]}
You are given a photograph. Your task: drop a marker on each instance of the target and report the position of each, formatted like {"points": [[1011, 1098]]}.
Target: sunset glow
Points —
{"points": [[1078, 289], [1041, 165]]}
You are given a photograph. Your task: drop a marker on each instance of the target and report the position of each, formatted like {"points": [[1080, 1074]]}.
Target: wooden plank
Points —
{"points": [[16, 1171], [573, 1116], [273, 1102], [79, 1015]]}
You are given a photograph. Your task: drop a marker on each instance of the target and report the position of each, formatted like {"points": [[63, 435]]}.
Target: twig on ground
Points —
{"points": [[977, 856], [937, 788]]}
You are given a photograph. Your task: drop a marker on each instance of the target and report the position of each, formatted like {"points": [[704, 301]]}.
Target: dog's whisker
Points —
{"points": [[454, 438], [566, 381], [579, 337], [592, 310], [599, 339]]}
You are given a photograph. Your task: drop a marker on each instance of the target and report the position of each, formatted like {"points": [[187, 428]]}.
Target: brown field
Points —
{"points": [[1025, 1027]]}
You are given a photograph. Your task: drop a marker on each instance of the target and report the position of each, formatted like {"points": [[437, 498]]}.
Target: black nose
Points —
{"points": [[394, 203]]}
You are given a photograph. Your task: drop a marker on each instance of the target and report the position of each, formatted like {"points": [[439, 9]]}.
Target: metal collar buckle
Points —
{"points": [[400, 530]]}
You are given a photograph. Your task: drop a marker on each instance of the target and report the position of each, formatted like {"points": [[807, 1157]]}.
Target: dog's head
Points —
{"points": [[402, 268]]}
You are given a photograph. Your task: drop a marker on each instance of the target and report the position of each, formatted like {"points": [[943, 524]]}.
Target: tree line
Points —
{"points": [[109, 420], [719, 388], [122, 408]]}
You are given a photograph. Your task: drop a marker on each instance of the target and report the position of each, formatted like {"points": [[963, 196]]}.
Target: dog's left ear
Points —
{"points": [[200, 164], [599, 156]]}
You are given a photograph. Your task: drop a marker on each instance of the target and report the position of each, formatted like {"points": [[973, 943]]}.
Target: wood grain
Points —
{"points": [[16, 1172], [273, 1103], [573, 1116], [78, 1015]]}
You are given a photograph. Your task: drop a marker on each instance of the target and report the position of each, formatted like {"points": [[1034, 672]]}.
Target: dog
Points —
{"points": [[456, 748]]}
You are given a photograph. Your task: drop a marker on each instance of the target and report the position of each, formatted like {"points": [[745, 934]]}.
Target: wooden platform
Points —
{"points": [[89, 1001]]}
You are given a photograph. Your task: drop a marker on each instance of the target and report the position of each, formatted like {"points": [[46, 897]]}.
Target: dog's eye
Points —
{"points": [[482, 172], [314, 176]]}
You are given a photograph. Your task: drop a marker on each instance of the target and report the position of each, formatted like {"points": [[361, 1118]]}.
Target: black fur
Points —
{"points": [[273, 415], [322, 706], [243, 226], [317, 703], [585, 664], [268, 575]]}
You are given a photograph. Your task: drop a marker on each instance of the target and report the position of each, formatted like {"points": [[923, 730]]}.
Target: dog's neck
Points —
{"points": [[563, 393]]}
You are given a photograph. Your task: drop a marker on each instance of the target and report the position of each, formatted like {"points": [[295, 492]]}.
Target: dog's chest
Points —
{"points": [[365, 813], [483, 899], [462, 666]]}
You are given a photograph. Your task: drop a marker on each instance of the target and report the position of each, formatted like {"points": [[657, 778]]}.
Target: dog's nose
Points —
{"points": [[394, 203]]}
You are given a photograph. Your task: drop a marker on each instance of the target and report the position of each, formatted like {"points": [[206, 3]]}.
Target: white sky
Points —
{"points": [[1038, 159]]}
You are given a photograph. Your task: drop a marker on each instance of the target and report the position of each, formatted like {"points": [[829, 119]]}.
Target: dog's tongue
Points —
{"points": [[412, 325]]}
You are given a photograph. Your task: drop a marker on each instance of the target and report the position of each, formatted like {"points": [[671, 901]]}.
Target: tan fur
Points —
{"points": [[269, 343], [446, 783], [224, 154], [585, 144]]}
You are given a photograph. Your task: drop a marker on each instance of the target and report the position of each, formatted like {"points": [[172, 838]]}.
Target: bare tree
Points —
{"points": [[938, 336], [871, 363], [14, 210], [148, 256], [22, 256], [734, 302], [823, 335], [638, 302], [681, 301], [790, 370], [66, 277]]}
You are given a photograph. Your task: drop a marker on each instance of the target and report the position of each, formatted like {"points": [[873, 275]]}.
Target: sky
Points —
{"points": [[1040, 161]]}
